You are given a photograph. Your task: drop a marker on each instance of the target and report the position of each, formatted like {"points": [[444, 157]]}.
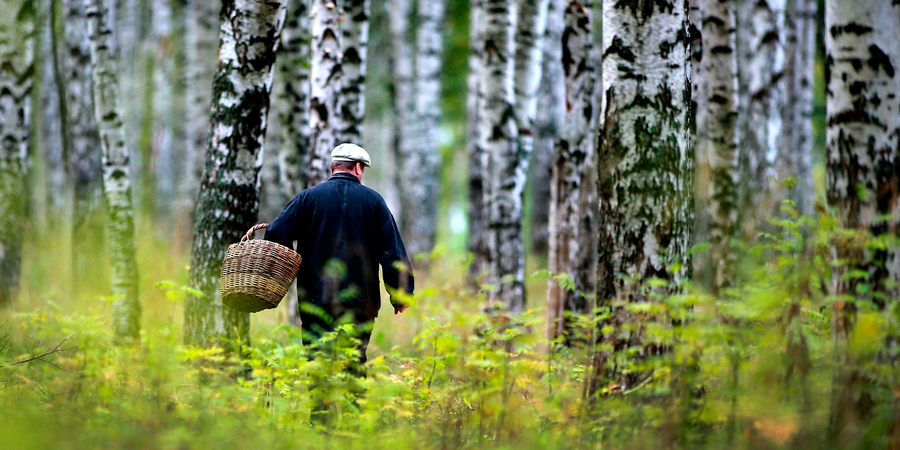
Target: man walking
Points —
{"points": [[344, 231]]}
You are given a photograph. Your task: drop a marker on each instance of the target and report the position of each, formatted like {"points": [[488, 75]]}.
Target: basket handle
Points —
{"points": [[249, 234]]}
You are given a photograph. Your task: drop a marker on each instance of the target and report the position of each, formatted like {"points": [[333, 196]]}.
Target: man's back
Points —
{"points": [[343, 231]]}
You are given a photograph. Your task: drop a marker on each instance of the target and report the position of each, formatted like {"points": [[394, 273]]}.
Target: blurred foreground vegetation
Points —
{"points": [[752, 367]]}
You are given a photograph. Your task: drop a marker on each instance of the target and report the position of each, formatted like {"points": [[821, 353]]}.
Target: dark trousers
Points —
{"points": [[316, 325]]}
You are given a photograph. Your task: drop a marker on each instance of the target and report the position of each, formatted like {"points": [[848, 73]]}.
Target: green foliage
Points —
{"points": [[751, 367]]}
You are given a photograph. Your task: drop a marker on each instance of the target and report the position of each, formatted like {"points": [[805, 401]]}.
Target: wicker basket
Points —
{"points": [[257, 273]]}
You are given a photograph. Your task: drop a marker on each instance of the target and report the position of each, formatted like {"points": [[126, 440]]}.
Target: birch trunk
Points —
{"points": [[229, 191], [720, 138], [498, 139], [863, 183], [166, 170], [551, 104], [50, 131], [81, 139], [293, 106], [326, 73], [531, 23], [201, 43], [645, 171], [572, 190], [354, 49], [17, 60], [116, 176], [797, 143], [762, 101], [404, 107], [476, 220]]}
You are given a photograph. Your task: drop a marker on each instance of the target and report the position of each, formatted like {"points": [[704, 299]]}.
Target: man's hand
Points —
{"points": [[400, 309]]}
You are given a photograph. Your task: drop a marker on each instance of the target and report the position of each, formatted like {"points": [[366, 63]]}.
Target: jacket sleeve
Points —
{"points": [[393, 254], [282, 229]]}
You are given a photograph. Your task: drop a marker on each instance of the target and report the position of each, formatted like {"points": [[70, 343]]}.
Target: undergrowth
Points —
{"points": [[752, 367]]}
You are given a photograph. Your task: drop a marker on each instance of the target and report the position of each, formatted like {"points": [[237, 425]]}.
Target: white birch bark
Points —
{"points": [[416, 88], [293, 105], [797, 143], [645, 169], [720, 137], [326, 73], [498, 138], [201, 44], [50, 138], [762, 56], [572, 191], [116, 175], [354, 49], [167, 171], [531, 22], [863, 179], [17, 29], [229, 191], [81, 139], [475, 211], [548, 122]]}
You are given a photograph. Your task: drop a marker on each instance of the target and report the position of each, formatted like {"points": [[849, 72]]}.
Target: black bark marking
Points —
{"points": [[850, 28], [618, 47], [880, 59]]}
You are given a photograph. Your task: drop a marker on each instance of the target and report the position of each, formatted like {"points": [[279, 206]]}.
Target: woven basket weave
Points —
{"points": [[257, 273]]}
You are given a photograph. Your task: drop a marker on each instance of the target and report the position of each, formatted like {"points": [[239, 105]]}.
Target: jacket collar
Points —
{"points": [[344, 176]]}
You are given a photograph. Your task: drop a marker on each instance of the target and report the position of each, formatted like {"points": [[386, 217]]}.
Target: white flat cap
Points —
{"points": [[352, 153]]}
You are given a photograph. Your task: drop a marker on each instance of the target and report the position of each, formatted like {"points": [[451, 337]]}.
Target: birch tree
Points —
{"points": [[293, 106], [16, 82], [80, 137], [498, 138], [645, 171], [761, 42], [416, 84], [720, 138], [548, 122], [354, 48], [475, 213], [572, 192], [797, 142], [166, 170], [326, 73], [201, 42], [116, 175], [863, 184], [229, 190]]}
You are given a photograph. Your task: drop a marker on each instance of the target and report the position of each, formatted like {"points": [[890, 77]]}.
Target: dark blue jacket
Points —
{"points": [[343, 230]]}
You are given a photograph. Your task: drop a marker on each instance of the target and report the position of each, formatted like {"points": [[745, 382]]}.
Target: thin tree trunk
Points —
{"points": [[863, 184], [720, 142], [475, 212], [797, 144], [498, 138], [531, 23], [162, 140], [645, 172], [326, 73], [762, 56], [699, 111], [229, 192], [116, 176], [17, 29], [81, 140], [551, 105], [423, 173], [201, 44], [50, 131], [572, 190], [404, 107], [354, 49], [293, 106]]}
